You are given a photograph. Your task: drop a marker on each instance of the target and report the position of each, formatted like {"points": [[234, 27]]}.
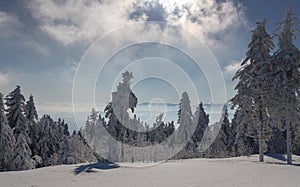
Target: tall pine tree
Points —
{"points": [[15, 103], [7, 140], [253, 90], [287, 79], [185, 117], [32, 117]]}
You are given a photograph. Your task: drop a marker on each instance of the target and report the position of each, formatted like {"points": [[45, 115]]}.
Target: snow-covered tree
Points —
{"points": [[90, 126], [30, 110], [49, 141], [15, 103], [220, 146], [253, 88], [32, 118], [287, 79], [169, 129], [185, 117], [22, 159], [186, 127], [159, 126], [7, 140], [226, 126], [243, 134], [75, 150], [94, 133], [122, 100], [201, 119]]}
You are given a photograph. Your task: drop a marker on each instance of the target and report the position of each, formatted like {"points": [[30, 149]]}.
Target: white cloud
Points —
{"points": [[208, 17], [233, 67], [75, 21], [9, 25], [11, 28]]}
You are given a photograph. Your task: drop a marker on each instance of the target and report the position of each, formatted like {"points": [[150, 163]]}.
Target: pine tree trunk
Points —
{"points": [[122, 149], [288, 142], [260, 134], [261, 153]]}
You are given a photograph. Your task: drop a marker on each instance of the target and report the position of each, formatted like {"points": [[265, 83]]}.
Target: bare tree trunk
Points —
{"points": [[288, 142]]}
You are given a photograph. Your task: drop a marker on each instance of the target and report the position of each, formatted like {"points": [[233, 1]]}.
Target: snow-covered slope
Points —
{"points": [[240, 171]]}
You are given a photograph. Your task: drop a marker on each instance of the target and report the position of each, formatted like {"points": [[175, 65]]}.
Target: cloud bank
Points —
{"points": [[72, 22]]}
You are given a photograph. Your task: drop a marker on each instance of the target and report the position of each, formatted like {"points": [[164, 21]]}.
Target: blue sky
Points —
{"points": [[43, 43]]}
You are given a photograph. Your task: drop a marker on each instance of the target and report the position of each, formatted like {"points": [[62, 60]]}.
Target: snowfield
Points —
{"points": [[239, 171]]}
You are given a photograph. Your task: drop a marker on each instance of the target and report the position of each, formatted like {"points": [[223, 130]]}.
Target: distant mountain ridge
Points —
{"points": [[176, 104]]}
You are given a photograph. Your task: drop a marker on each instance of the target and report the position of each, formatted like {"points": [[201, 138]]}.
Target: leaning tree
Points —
{"points": [[122, 100]]}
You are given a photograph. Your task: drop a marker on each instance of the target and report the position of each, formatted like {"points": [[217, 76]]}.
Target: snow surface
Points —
{"points": [[239, 171]]}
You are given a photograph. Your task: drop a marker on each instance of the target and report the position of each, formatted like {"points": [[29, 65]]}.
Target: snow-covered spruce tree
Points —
{"points": [[113, 129], [253, 90], [122, 100], [15, 103], [185, 121], [90, 126], [169, 129], [99, 139], [22, 159], [32, 117], [185, 117], [76, 150], [30, 110], [287, 79], [220, 146], [141, 138], [44, 150], [62, 127], [201, 119], [226, 127], [7, 140], [131, 135], [244, 134], [94, 133], [159, 126], [49, 141]]}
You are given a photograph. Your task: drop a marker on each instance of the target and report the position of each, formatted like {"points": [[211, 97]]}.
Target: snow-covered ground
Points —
{"points": [[240, 171]]}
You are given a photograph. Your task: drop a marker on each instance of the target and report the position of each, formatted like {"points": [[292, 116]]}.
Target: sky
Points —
{"points": [[70, 54]]}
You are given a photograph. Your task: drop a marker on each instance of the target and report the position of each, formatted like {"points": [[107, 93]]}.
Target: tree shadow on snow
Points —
{"points": [[90, 168], [279, 157]]}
